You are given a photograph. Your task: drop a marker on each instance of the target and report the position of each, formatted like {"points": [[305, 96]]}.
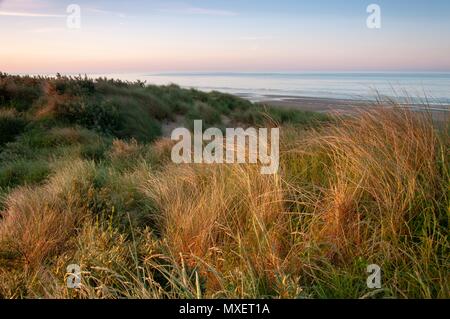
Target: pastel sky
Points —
{"points": [[223, 35]]}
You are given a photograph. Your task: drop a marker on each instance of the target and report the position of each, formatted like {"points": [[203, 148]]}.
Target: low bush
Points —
{"points": [[23, 172], [11, 125]]}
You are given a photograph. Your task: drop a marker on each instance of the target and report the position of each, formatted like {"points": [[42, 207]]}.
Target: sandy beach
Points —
{"points": [[440, 112]]}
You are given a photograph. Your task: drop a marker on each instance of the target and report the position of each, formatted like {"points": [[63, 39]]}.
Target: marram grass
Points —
{"points": [[372, 188]]}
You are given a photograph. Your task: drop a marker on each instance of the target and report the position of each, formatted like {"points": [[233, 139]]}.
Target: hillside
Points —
{"points": [[86, 178]]}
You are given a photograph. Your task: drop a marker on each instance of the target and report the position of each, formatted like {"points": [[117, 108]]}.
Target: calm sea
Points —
{"points": [[432, 87]]}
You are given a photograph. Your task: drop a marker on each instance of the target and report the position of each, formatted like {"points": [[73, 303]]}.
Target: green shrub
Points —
{"points": [[95, 151], [77, 86], [23, 172], [11, 125], [137, 120], [291, 116], [205, 112], [259, 114], [226, 103], [19, 93], [101, 116]]}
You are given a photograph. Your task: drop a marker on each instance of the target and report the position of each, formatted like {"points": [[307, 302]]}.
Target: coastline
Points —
{"points": [[440, 112]]}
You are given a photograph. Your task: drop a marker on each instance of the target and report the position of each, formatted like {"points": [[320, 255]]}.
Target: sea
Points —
{"points": [[420, 87]]}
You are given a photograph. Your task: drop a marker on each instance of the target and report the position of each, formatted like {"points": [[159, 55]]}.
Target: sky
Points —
{"points": [[223, 35]]}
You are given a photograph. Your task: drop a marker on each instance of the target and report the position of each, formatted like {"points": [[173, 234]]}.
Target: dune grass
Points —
{"points": [[365, 189]]}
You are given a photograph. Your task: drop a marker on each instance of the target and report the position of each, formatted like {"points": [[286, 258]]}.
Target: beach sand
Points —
{"points": [[346, 107]]}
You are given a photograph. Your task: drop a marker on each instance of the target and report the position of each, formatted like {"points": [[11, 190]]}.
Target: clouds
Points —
{"points": [[106, 12], [186, 9], [209, 12], [23, 5], [48, 15], [30, 14], [46, 9], [27, 9]]}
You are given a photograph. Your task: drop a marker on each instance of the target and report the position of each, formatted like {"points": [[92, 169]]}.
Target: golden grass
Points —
{"points": [[384, 168], [38, 221], [372, 188], [227, 215]]}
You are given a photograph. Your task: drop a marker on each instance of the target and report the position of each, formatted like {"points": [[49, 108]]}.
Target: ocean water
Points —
{"points": [[434, 88]]}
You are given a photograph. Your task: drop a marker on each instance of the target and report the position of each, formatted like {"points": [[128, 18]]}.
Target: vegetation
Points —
{"points": [[86, 178]]}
